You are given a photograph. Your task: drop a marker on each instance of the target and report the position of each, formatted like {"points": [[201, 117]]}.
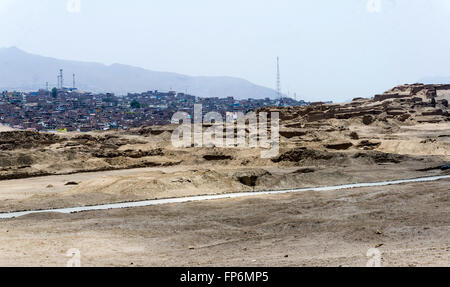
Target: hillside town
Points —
{"points": [[68, 110]]}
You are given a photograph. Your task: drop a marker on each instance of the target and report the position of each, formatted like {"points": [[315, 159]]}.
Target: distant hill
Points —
{"points": [[20, 70], [435, 80]]}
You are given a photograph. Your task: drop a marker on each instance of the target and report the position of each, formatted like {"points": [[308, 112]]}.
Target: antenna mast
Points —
{"points": [[278, 80], [61, 78]]}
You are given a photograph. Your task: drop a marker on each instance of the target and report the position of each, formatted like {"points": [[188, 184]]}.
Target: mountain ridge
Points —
{"points": [[20, 70]]}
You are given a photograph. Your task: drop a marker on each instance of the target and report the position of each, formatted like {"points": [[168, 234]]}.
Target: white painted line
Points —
{"points": [[213, 197]]}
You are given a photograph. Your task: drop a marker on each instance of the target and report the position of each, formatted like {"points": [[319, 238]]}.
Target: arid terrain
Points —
{"points": [[401, 134], [310, 229]]}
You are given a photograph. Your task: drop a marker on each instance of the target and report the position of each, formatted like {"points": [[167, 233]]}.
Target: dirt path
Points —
{"points": [[134, 204]]}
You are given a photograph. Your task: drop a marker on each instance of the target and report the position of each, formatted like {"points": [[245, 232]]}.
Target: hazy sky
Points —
{"points": [[328, 49]]}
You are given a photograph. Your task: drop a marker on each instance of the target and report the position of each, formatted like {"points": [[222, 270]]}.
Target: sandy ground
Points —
{"points": [[411, 221], [5, 128], [196, 176], [51, 192]]}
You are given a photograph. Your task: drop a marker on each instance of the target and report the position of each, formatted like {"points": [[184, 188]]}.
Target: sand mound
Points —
{"points": [[5, 128], [11, 140], [416, 147]]}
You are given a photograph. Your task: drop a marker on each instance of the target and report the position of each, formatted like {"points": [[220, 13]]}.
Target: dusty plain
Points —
{"points": [[404, 133]]}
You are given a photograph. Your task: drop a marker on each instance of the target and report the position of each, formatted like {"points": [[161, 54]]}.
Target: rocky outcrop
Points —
{"points": [[339, 146], [127, 153], [304, 170], [292, 133], [386, 96], [433, 113], [404, 103], [154, 131], [368, 145], [299, 154], [367, 120], [380, 157], [12, 140], [218, 156], [250, 177]]}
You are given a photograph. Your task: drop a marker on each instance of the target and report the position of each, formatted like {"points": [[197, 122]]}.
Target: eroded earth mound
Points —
{"points": [[402, 133]]}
